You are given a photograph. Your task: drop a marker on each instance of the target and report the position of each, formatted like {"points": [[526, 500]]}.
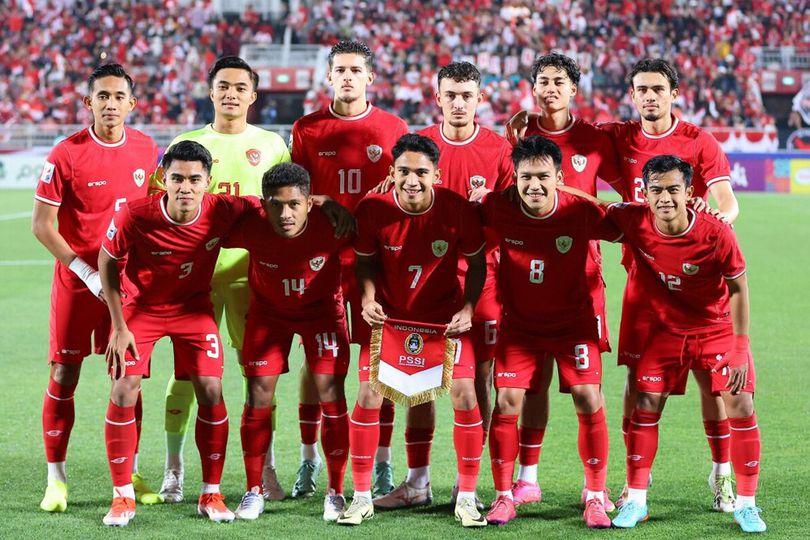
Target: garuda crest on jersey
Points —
{"points": [[374, 152], [316, 263], [578, 161], [139, 176], [477, 181], [564, 243], [211, 243], [690, 269], [253, 156], [439, 248]]}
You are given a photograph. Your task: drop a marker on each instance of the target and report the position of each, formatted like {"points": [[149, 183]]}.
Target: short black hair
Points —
{"points": [[536, 147], [233, 62], [655, 65], [460, 72], [352, 47], [187, 151], [411, 142], [559, 61], [285, 175], [110, 70], [664, 164]]}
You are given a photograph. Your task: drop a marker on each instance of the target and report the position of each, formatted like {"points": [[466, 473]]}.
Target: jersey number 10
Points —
{"points": [[350, 180]]}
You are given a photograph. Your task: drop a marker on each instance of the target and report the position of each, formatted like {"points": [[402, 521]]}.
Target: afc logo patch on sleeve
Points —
{"points": [[47, 172], [111, 230]]}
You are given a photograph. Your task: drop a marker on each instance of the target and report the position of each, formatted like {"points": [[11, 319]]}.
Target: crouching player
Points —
{"points": [[544, 238], [295, 278], [693, 275], [408, 245], [170, 242]]}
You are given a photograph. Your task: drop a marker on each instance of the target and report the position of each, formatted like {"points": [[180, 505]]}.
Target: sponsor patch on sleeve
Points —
{"points": [[47, 172]]}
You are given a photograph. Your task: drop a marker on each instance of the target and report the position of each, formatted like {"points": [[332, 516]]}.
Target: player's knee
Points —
{"points": [[422, 416], [124, 391], [208, 391], [66, 374], [587, 398], [509, 401], [739, 406], [368, 398], [650, 402], [260, 392]]}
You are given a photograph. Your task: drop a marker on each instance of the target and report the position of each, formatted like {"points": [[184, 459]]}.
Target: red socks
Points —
{"points": [[417, 446], [120, 436], [138, 420], [212, 440], [503, 449], [386, 423], [309, 418], [467, 437], [746, 445], [335, 440], [531, 443], [718, 436], [625, 428], [642, 444], [364, 433], [58, 414], [257, 432], [593, 448]]}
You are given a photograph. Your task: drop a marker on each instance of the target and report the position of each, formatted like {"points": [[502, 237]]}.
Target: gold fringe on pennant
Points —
{"points": [[375, 348]]}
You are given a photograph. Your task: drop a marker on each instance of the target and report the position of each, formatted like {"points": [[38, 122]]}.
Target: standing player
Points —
{"points": [[545, 241], [653, 88], [408, 245], [171, 242], [346, 149], [295, 280], [587, 153], [86, 178], [473, 160], [242, 153], [692, 274]]}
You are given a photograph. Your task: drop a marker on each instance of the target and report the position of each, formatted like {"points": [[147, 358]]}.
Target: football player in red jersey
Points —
{"points": [[171, 242], [294, 275], [587, 154], [545, 242], [474, 160], [653, 88], [346, 148], [408, 245], [692, 274], [86, 178]]}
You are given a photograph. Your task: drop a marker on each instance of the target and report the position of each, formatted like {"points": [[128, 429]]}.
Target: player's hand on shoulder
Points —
{"points": [[338, 215], [460, 323], [477, 195], [373, 313], [384, 186], [516, 127], [701, 206], [121, 341]]}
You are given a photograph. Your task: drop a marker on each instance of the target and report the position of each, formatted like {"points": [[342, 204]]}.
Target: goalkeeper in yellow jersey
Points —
{"points": [[242, 153]]}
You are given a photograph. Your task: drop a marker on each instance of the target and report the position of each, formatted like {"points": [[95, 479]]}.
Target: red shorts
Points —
{"points": [[76, 316], [485, 322], [195, 339], [636, 324], [464, 367], [597, 287], [360, 329], [268, 341], [665, 366], [519, 358]]}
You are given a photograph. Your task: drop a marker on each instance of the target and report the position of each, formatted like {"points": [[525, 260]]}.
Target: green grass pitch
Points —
{"points": [[775, 234]]}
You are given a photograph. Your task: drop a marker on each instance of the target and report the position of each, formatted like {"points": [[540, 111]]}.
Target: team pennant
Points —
{"points": [[411, 363]]}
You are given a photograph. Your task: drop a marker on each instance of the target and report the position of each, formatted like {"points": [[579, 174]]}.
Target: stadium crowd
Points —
{"points": [[47, 46]]}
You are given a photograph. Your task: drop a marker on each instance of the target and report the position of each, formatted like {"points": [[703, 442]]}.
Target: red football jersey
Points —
{"points": [[587, 153], [346, 155], [169, 265], [684, 140], [542, 281], [418, 253], [292, 278], [483, 160], [89, 180], [683, 276]]}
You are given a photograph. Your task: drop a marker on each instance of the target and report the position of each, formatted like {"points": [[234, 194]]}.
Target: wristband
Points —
{"points": [[87, 274]]}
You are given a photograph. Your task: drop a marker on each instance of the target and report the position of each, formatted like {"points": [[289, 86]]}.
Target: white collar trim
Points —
{"points": [[432, 202], [351, 118], [468, 140], [675, 122], [106, 144], [553, 210], [173, 222]]}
